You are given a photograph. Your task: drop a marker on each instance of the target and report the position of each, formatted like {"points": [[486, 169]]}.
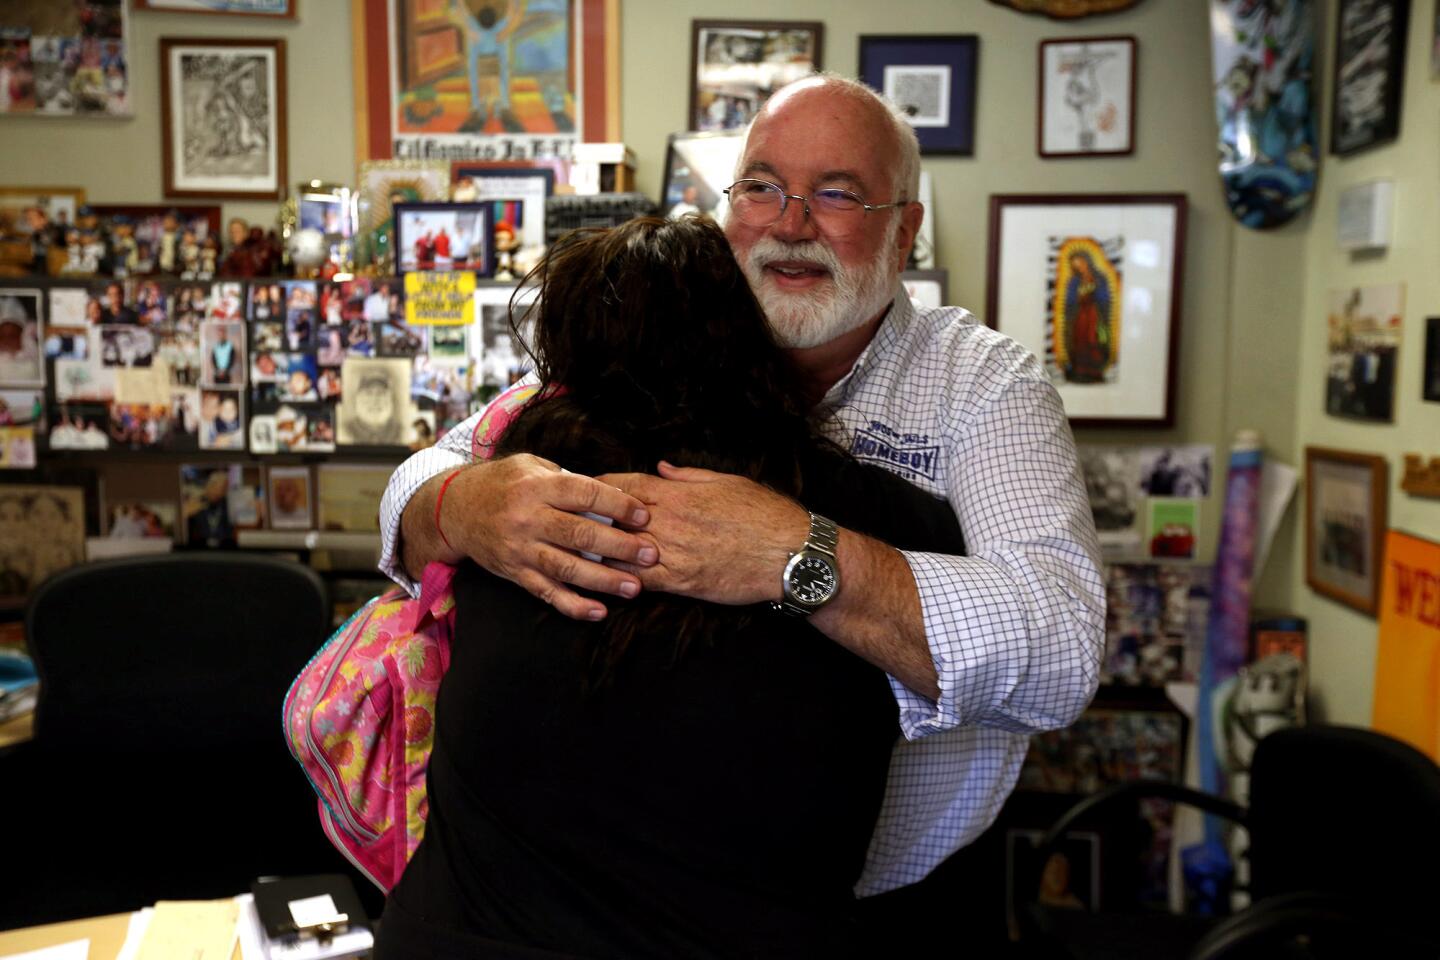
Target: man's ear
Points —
{"points": [[911, 216]]}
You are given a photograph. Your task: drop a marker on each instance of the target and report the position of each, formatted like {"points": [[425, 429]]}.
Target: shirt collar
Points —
{"points": [[896, 320]]}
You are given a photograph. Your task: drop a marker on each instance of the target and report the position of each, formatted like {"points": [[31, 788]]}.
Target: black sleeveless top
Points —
{"points": [[715, 805]]}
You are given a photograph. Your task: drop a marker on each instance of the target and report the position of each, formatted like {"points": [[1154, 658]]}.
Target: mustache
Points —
{"points": [[769, 250]]}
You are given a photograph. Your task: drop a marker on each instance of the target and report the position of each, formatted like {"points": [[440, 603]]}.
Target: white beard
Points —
{"points": [[850, 298]]}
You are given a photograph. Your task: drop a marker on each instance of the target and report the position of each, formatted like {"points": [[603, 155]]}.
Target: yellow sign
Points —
{"points": [[440, 299], [1407, 668]]}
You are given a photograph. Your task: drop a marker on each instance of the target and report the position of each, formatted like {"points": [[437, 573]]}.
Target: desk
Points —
{"points": [[106, 936], [17, 730]]}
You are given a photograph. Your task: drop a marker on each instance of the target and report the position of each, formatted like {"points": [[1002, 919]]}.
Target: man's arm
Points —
{"points": [[1010, 635], [517, 517]]}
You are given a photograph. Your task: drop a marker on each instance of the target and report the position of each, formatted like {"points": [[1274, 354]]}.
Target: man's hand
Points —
{"points": [[722, 538], [727, 539], [519, 517]]}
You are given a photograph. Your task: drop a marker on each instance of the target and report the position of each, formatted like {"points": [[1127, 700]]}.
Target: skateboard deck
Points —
{"points": [[1264, 62]]}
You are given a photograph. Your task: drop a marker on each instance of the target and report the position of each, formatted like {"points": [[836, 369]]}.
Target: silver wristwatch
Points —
{"points": [[812, 576]]}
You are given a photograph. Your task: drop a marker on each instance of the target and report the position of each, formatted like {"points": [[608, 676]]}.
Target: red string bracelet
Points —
{"points": [[440, 499]]}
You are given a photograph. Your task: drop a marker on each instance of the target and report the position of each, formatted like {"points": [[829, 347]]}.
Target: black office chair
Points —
{"points": [[1342, 830], [159, 768]]}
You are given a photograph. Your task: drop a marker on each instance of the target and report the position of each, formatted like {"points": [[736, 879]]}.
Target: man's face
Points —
{"points": [[816, 285], [115, 296]]}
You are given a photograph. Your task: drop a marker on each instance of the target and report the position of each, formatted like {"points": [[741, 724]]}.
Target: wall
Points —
{"points": [[1344, 642], [1252, 347], [118, 161]]}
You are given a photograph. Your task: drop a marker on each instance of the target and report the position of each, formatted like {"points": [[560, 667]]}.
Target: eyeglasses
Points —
{"points": [[760, 203]]}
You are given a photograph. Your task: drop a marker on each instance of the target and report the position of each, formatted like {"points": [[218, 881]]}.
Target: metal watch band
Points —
{"points": [[824, 538]]}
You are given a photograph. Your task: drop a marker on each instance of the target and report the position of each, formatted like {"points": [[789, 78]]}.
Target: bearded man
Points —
{"points": [[981, 649]]}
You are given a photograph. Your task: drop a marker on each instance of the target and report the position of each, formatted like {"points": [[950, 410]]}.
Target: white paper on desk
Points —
{"points": [[74, 950], [135, 934], [1277, 486], [247, 927]]}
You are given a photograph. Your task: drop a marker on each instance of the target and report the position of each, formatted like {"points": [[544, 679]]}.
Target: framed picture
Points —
{"points": [[22, 334], [45, 533], [516, 196], [1430, 378], [1345, 522], [276, 9], [438, 80], [1364, 339], [1068, 879], [348, 493], [77, 54], [698, 168], [223, 118], [929, 287], [1087, 97], [1091, 284], [1369, 73], [217, 499], [736, 65], [291, 501], [932, 80], [1067, 9], [440, 237], [384, 183]]}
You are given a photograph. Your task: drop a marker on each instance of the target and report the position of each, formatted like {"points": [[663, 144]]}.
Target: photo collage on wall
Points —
{"points": [[145, 364], [333, 364], [1146, 500]]}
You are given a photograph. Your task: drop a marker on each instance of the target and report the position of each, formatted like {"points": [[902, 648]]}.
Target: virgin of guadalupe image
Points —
{"points": [[1085, 311]]}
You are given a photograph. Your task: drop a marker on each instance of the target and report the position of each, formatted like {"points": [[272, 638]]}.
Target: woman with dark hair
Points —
{"points": [[682, 779]]}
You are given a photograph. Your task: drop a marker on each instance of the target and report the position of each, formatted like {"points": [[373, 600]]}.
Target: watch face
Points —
{"points": [[812, 580]]}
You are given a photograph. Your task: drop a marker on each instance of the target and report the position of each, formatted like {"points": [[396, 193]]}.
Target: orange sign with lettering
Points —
{"points": [[1407, 669]]}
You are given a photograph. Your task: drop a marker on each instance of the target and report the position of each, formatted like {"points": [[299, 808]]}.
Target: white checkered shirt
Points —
{"points": [[1016, 627]]}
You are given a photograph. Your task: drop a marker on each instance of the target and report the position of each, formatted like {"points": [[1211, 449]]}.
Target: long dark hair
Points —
{"points": [[663, 353]]}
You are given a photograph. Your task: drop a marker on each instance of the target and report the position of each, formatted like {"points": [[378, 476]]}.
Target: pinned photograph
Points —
{"points": [[216, 500], [290, 500], [22, 362], [291, 430], [348, 493], [223, 345], [1364, 339], [81, 426], [126, 347], [1156, 614], [298, 386], [267, 301], [22, 408], [1172, 527], [376, 410], [189, 305], [439, 237], [1181, 471], [320, 430], [300, 300], [737, 65], [504, 355], [449, 344], [1112, 478], [262, 434], [221, 420], [142, 520], [84, 380], [401, 340]]}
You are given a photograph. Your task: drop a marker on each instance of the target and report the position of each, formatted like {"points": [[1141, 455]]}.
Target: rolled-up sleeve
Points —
{"points": [[1017, 626]]}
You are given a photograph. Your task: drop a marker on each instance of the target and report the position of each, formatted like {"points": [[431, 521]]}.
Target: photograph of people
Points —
{"points": [[224, 353], [827, 277]]}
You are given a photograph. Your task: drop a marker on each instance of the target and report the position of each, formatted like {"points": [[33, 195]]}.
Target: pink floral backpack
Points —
{"points": [[360, 718]]}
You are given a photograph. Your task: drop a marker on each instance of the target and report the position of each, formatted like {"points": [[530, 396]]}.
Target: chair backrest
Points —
{"points": [[178, 650], [159, 768], [1345, 811]]}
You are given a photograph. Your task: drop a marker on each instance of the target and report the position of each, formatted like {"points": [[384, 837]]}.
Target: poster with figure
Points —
{"points": [[484, 79], [1083, 345], [223, 117], [1087, 97]]}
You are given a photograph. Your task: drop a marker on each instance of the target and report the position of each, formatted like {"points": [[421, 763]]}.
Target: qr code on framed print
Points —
{"points": [[921, 92]]}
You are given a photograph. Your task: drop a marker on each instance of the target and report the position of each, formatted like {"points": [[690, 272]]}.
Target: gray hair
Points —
{"points": [[907, 173]]}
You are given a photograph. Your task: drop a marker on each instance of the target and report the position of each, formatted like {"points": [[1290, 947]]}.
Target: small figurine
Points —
{"points": [[209, 256], [237, 262], [124, 248], [74, 255], [168, 256], [95, 251], [189, 254], [506, 243], [42, 238]]}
